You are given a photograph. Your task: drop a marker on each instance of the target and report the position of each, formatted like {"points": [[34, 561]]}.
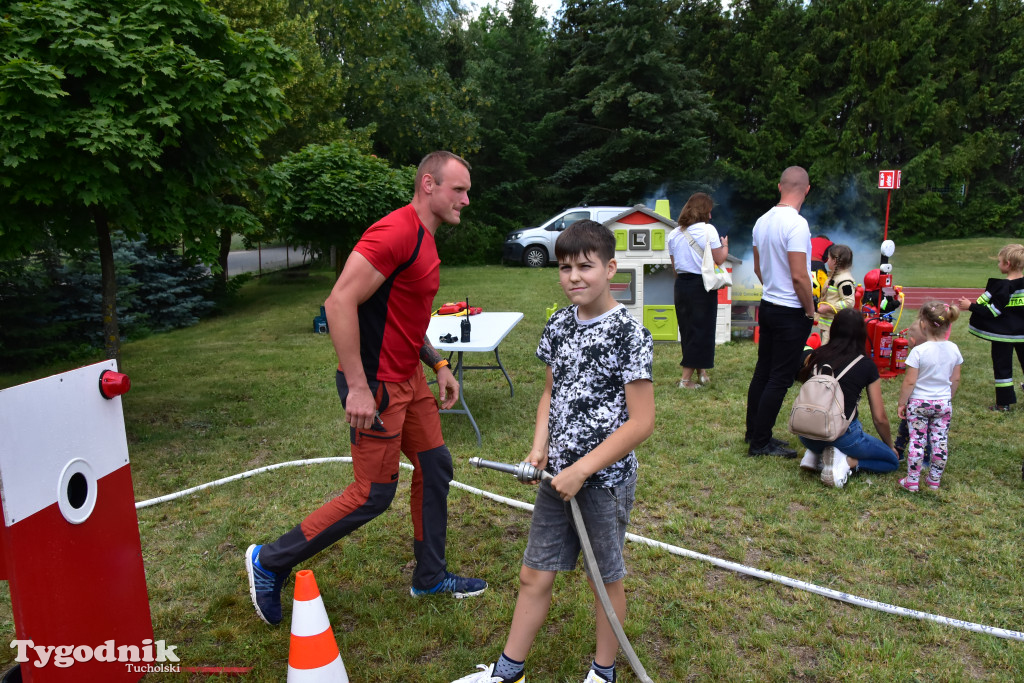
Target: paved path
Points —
{"points": [[265, 259]]}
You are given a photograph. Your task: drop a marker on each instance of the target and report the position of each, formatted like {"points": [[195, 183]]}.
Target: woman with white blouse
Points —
{"points": [[696, 308]]}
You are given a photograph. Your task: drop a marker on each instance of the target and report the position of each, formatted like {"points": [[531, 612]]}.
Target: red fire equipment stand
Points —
{"points": [[70, 547]]}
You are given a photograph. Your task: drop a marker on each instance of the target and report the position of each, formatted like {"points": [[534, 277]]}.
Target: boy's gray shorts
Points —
{"points": [[553, 545]]}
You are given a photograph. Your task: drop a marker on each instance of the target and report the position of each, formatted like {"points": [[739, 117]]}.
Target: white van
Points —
{"points": [[535, 247]]}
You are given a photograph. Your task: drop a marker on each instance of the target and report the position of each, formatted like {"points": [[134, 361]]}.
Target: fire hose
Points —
{"points": [[525, 472], [675, 550]]}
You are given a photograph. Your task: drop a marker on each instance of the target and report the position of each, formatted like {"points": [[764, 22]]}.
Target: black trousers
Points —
{"points": [[697, 317], [1002, 370], [784, 332]]}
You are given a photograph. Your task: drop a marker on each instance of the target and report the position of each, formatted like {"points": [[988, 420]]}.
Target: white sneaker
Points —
{"points": [[811, 461], [486, 675], [835, 470], [594, 677]]}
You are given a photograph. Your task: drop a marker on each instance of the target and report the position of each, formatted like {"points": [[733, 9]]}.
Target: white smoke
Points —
{"points": [[863, 235], [866, 254]]}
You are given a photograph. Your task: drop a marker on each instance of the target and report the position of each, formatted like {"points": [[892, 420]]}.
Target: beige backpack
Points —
{"points": [[818, 410]]}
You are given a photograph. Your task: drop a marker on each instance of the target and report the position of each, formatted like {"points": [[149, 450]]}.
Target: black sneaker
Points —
{"points": [[771, 442], [779, 449]]}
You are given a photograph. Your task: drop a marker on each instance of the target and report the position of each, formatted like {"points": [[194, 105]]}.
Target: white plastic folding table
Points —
{"points": [[487, 331]]}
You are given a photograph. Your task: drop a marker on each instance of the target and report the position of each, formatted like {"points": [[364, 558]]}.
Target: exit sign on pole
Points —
{"points": [[889, 180]]}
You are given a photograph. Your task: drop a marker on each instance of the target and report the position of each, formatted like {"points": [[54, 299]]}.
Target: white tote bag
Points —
{"points": [[715, 276]]}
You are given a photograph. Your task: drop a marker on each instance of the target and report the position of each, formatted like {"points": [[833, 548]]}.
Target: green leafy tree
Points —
{"points": [[51, 306], [974, 170], [930, 88], [877, 77], [313, 91], [632, 118], [327, 195], [33, 329], [505, 64], [759, 71], [397, 86], [138, 116]]}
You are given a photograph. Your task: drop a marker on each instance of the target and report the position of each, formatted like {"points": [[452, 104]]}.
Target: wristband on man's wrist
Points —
{"points": [[443, 363]]}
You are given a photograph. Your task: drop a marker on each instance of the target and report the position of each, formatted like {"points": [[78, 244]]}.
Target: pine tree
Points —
{"points": [[632, 120]]}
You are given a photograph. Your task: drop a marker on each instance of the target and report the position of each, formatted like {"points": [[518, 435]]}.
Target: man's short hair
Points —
{"points": [[434, 164], [795, 178], [585, 237]]}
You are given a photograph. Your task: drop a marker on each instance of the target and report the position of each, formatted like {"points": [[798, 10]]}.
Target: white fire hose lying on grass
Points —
{"points": [[675, 550]]}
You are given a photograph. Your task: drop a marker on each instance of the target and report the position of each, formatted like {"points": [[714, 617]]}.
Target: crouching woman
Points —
{"points": [[855, 450]]}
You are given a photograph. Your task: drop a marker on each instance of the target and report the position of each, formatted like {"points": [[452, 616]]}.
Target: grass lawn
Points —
{"points": [[256, 387], [948, 263]]}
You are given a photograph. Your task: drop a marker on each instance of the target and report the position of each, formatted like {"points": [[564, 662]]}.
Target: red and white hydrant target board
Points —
{"points": [[71, 551]]}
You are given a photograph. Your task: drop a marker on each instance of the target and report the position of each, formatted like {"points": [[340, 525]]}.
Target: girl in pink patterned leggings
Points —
{"points": [[926, 397]]}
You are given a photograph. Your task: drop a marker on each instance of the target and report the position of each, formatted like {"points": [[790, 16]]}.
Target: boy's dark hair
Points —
{"points": [[585, 237], [846, 340]]}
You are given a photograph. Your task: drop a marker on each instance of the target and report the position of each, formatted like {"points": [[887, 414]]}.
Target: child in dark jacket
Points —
{"points": [[998, 316]]}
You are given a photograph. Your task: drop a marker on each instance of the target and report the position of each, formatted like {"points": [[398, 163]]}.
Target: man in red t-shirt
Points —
{"points": [[378, 313]]}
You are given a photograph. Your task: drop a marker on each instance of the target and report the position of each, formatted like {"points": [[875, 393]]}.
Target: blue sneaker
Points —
{"points": [[264, 587], [458, 586]]}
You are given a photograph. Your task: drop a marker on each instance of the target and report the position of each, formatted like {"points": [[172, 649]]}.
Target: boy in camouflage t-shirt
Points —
{"points": [[591, 363], [597, 406]]}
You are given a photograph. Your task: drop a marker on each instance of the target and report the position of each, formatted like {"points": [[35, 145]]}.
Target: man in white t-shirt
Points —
{"points": [[782, 262]]}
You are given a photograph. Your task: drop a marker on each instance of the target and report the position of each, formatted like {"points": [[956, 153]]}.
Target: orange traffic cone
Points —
{"points": [[313, 656]]}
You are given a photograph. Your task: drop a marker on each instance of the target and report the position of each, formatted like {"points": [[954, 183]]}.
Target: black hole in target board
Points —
{"points": [[78, 490]]}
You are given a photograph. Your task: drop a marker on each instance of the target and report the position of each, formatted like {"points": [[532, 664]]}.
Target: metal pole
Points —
{"points": [[888, 200]]}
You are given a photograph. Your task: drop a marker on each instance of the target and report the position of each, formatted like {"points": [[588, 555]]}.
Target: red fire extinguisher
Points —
{"points": [[884, 332], [869, 343], [900, 349], [882, 342]]}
